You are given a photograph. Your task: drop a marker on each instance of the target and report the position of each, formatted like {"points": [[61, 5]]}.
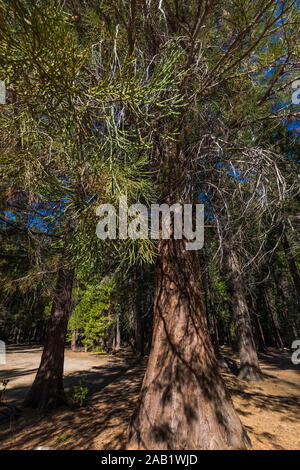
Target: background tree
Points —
{"points": [[70, 147]]}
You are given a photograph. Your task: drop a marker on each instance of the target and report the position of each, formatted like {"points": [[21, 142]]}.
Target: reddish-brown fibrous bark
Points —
{"points": [[183, 402]]}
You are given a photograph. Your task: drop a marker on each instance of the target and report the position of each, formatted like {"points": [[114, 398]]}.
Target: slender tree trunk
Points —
{"points": [[277, 335], [14, 335], [139, 340], [211, 317], [288, 319], [279, 342], [134, 309], [139, 334], [117, 334], [18, 335], [131, 312], [292, 265], [216, 336], [259, 337], [249, 367], [74, 340], [260, 334], [229, 341], [47, 389], [294, 273], [183, 402]]}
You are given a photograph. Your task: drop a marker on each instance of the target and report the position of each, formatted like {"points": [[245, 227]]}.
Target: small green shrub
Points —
{"points": [[62, 438], [79, 392], [99, 350]]}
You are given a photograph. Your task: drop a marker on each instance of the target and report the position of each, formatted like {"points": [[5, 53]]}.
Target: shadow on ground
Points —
{"points": [[113, 390], [268, 410]]}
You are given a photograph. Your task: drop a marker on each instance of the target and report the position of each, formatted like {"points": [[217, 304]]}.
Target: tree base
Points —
{"points": [[45, 398], [250, 374]]}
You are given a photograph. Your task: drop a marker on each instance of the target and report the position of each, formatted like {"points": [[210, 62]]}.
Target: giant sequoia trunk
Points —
{"points": [[47, 389], [183, 402], [249, 367]]}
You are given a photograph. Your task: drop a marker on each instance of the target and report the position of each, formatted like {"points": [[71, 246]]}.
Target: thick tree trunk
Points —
{"points": [[183, 402], [47, 389], [249, 367]]}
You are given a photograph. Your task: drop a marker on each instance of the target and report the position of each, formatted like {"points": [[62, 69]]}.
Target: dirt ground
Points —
{"points": [[270, 410]]}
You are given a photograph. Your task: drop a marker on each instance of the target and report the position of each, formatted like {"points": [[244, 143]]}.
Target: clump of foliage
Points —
{"points": [[95, 313], [62, 438], [78, 393]]}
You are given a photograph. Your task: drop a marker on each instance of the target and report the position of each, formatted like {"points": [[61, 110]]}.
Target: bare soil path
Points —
{"points": [[269, 410], [22, 363]]}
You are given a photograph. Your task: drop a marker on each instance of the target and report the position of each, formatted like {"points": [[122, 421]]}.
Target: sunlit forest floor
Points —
{"points": [[270, 410]]}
